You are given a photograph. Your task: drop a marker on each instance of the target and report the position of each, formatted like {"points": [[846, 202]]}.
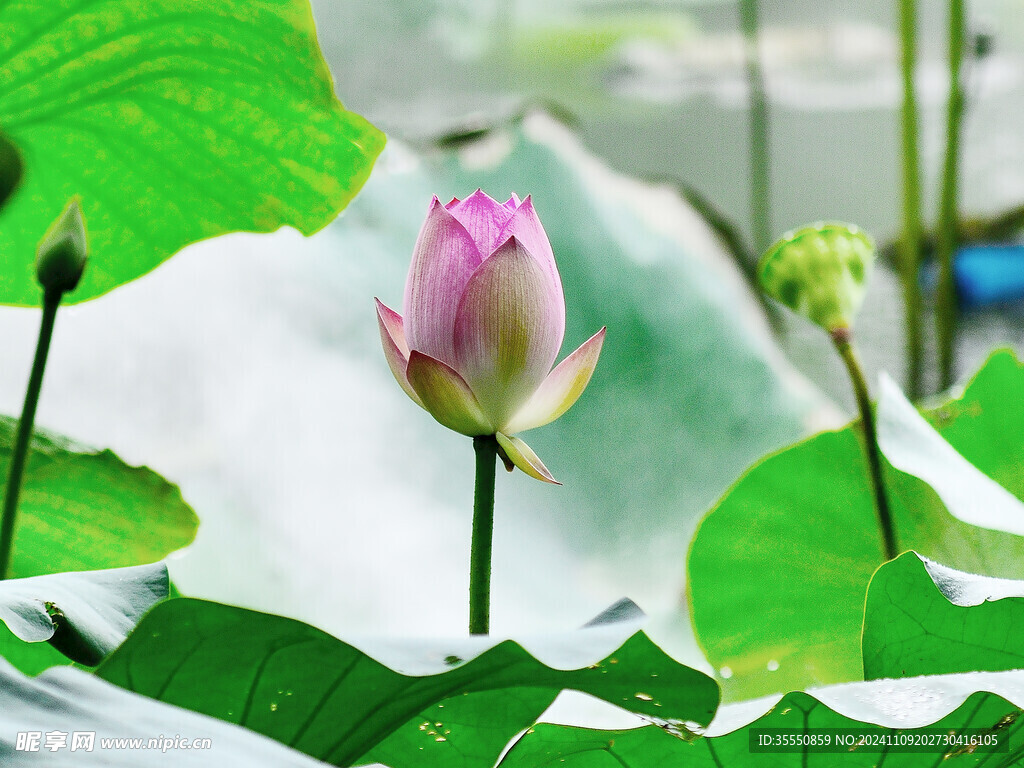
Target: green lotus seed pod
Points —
{"points": [[10, 169], [820, 271], [60, 258]]}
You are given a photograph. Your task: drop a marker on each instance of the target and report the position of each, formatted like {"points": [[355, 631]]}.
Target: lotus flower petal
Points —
{"points": [[507, 330], [523, 457], [484, 218], [561, 388], [444, 259], [446, 395], [396, 350], [525, 226], [483, 322]]}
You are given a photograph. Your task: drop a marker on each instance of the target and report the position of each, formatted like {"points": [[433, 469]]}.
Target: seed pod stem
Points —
{"points": [[843, 341]]}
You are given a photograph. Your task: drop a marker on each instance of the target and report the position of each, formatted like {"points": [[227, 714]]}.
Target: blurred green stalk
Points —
{"points": [[760, 176], [51, 301], [910, 239], [945, 300]]}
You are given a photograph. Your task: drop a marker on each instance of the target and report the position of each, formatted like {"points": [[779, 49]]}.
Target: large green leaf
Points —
{"points": [[174, 123], [406, 704], [988, 704], [65, 701], [922, 618], [779, 568], [82, 509], [86, 614]]}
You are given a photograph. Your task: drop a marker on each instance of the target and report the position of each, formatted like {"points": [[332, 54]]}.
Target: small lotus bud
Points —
{"points": [[10, 169], [820, 271], [60, 258]]}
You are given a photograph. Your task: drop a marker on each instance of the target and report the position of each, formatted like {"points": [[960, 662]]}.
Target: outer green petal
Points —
{"points": [[396, 350], [523, 457], [446, 395], [63, 251], [560, 389]]}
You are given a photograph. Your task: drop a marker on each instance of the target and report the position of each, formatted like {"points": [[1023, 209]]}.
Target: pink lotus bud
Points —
{"points": [[484, 320]]}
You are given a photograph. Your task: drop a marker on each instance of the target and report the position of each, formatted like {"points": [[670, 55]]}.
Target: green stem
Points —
{"points": [[760, 172], [51, 300], [945, 301], [910, 242], [486, 449], [844, 345]]}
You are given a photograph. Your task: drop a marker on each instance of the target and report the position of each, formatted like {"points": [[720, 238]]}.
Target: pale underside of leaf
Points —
{"points": [[912, 445], [85, 614]]}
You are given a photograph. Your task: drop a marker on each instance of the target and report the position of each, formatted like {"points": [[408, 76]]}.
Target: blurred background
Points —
{"points": [[248, 369]]}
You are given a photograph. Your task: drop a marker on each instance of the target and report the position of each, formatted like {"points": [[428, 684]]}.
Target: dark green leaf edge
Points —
{"points": [[921, 617], [990, 702], [336, 702]]}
